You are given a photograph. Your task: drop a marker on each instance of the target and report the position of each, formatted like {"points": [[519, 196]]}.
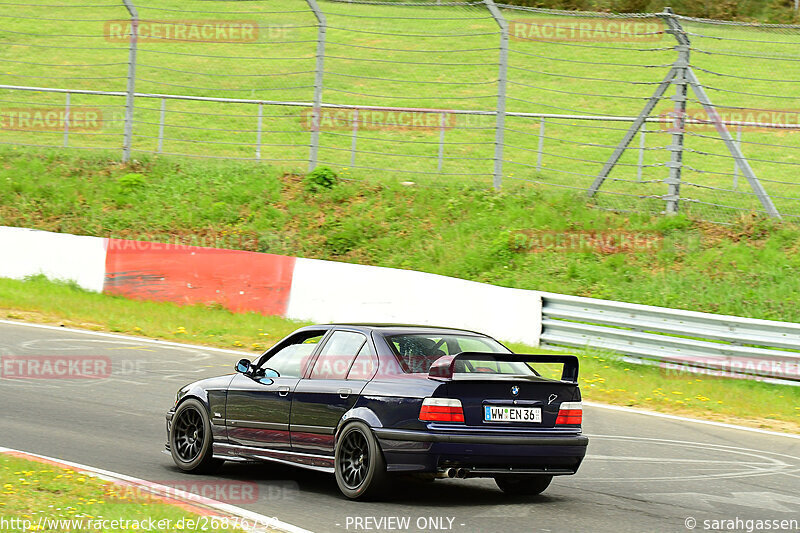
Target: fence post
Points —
{"points": [[161, 119], [355, 139], [319, 69], [540, 149], [442, 120], [680, 81], [131, 89], [258, 133], [738, 156], [736, 163], [642, 133], [682, 75], [66, 120], [500, 124]]}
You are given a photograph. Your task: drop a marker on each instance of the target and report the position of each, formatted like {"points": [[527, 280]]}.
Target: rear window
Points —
{"points": [[418, 351], [479, 365]]}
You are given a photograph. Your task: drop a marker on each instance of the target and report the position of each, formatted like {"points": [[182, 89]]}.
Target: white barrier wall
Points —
{"points": [[327, 291], [321, 291], [27, 252]]}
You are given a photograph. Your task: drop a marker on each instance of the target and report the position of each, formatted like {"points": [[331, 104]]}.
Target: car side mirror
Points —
{"points": [[265, 376], [243, 366]]}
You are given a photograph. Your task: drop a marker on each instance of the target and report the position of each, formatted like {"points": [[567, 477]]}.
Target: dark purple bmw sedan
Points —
{"points": [[366, 402]]}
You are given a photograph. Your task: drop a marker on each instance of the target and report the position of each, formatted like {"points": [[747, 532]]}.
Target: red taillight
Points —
{"points": [[570, 413], [441, 410]]}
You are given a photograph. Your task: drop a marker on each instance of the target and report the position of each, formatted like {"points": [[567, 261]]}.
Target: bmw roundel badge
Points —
{"points": [[514, 390]]}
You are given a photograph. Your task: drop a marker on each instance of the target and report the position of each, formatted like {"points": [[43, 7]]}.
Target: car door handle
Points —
{"points": [[283, 391], [344, 393]]}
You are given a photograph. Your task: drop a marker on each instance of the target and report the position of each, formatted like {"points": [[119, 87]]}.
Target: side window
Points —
{"points": [[419, 351], [365, 364], [291, 361], [337, 355]]}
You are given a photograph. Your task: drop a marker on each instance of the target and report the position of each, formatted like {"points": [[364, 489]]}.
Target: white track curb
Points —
{"points": [[261, 523]]}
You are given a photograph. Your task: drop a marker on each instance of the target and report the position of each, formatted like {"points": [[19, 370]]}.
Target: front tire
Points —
{"points": [[190, 439], [515, 485], [359, 463]]}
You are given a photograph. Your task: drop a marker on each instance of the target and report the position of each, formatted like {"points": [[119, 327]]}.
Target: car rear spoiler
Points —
{"points": [[444, 367]]}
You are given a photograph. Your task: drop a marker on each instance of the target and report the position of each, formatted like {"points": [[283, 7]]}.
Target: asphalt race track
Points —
{"points": [[642, 473]]}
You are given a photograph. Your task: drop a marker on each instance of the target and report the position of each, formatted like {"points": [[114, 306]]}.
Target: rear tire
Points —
{"points": [[359, 464], [516, 485], [190, 439]]}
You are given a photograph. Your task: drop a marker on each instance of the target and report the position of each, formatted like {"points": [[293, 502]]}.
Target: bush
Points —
{"points": [[320, 178], [127, 188], [131, 182], [781, 12]]}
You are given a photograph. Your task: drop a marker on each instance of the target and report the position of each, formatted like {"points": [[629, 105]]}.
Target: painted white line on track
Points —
{"points": [[687, 419], [765, 464], [253, 517], [127, 337], [237, 352]]}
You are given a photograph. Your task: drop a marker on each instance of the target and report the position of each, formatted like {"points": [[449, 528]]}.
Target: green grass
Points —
{"points": [[603, 377], [34, 491], [470, 232], [65, 303], [748, 10], [440, 58]]}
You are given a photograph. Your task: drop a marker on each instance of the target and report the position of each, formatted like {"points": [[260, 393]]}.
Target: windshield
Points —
{"points": [[418, 351]]}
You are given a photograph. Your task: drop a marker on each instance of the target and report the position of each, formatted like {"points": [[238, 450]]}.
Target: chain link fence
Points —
{"points": [[639, 112]]}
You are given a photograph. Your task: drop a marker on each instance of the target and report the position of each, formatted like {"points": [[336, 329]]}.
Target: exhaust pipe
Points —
{"points": [[451, 473], [443, 473]]}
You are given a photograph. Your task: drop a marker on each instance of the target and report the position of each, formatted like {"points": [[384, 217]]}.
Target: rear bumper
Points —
{"points": [[480, 438], [489, 453]]}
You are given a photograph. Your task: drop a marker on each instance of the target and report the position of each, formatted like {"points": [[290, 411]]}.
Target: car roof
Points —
{"points": [[394, 329]]}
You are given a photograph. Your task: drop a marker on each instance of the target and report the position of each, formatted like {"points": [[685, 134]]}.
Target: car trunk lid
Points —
{"points": [[505, 390]]}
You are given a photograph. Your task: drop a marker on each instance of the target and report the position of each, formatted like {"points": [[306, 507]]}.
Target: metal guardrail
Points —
{"points": [[679, 340]]}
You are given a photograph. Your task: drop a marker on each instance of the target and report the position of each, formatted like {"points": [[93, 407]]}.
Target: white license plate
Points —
{"points": [[495, 413]]}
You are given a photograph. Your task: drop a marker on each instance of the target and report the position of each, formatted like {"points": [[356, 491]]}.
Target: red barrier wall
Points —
{"points": [[240, 281]]}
